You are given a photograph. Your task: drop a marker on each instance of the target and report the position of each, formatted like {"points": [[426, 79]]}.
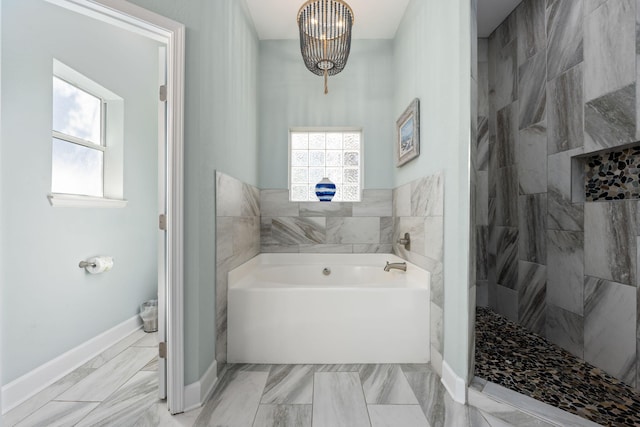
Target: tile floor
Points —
{"points": [[513, 358], [119, 388]]}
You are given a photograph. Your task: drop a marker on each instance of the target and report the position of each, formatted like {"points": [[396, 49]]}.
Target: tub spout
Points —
{"points": [[397, 265]]}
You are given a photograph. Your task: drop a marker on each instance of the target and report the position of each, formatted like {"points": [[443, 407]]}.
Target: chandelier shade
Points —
{"points": [[325, 36]]}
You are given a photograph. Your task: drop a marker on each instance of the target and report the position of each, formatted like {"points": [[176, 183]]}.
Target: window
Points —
{"points": [[87, 141], [335, 154]]}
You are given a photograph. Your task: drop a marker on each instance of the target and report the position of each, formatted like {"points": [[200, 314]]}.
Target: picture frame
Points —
{"points": [[408, 134]]}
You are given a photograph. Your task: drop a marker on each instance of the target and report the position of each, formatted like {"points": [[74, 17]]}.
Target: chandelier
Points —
{"points": [[325, 36]]}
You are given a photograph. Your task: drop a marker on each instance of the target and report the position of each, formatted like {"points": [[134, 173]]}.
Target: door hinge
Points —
{"points": [[162, 350], [162, 222], [163, 93]]}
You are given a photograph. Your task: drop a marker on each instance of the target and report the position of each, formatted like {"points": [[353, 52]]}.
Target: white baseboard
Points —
{"points": [[22, 388], [455, 385], [195, 394]]}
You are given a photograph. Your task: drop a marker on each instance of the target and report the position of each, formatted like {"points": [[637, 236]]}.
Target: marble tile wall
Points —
{"points": [[562, 83], [237, 241], [418, 209], [292, 227]]}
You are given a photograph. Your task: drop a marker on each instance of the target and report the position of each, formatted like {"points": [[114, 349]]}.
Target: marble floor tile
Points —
{"points": [[157, 415], [499, 414], [115, 349], [429, 391], [235, 401], [55, 414], [127, 405], [148, 340], [151, 366], [386, 384], [40, 399], [283, 416], [338, 400], [289, 384], [98, 385], [397, 415]]}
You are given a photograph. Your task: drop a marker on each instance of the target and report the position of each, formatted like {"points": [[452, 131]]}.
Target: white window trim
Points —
{"points": [[328, 129], [113, 166]]}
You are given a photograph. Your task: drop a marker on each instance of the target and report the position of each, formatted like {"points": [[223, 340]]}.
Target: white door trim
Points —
{"points": [[172, 33]]}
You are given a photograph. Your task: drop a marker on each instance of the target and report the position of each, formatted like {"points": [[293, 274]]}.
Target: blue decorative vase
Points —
{"points": [[325, 190]]}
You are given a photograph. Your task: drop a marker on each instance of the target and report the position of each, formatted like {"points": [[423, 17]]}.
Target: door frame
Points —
{"points": [[172, 34]]}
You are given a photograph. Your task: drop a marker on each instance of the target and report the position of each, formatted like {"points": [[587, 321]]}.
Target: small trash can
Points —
{"points": [[149, 315]]}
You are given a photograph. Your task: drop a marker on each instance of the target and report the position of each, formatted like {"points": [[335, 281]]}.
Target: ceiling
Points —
{"points": [[379, 19]]}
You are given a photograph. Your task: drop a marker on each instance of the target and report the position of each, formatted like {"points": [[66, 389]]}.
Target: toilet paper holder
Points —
{"points": [[85, 264]]}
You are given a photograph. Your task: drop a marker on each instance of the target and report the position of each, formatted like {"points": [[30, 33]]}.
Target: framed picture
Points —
{"points": [[408, 127]]}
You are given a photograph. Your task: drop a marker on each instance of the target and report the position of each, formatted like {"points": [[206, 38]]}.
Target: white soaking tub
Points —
{"points": [[282, 309]]}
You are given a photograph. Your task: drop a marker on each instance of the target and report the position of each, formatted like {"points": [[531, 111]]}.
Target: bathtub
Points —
{"points": [[282, 309]]}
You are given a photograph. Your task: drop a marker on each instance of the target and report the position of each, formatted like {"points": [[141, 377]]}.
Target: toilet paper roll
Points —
{"points": [[102, 264]]}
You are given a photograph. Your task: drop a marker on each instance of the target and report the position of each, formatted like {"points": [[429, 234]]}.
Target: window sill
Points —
{"points": [[73, 201]]}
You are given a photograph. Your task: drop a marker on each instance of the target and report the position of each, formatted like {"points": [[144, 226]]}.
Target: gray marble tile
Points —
{"points": [[235, 401], [507, 257], [482, 293], [610, 327], [609, 48], [320, 209], [437, 281], [276, 203], [386, 384], [383, 248], [401, 199], [482, 198], [246, 236], [565, 329], [482, 261], [455, 414], [531, 32], [58, 414], [325, 249], [130, 402], [151, 366], [507, 30], [229, 195], [283, 416], [610, 120], [115, 349], [274, 248], [415, 227], [157, 415], [297, 230], [289, 384], [374, 203], [591, 5], [250, 200], [532, 293], [610, 240], [338, 368], [386, 229], [429, 391], [564, 36], [532, 159], [506, 69], [150, 339], [532, 225], [482, 148], [353, 230], [507, 302], [397, 415], [507, 197], [565, 111], [507, 135], [562, 213], [434, 237], [483, 85], [436, 327], [500, 414], [41, 398], [565, 270], [427, 196], [338, 400], [532, 95], [98, 385], [493, 168]]}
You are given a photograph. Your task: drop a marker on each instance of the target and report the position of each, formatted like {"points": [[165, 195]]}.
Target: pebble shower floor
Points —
{"points": [[509, 355]]}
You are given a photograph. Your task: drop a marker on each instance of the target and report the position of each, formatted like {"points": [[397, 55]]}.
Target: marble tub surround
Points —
{"points": [[418, 208], [237, 240], [550, 232], [341, 227]]}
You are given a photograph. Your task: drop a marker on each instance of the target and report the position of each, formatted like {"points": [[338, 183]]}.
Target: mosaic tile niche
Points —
{"points": [[613, 176]]}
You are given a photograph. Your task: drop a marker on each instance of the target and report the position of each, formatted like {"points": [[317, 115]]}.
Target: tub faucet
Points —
{"points": [[397, 265]]}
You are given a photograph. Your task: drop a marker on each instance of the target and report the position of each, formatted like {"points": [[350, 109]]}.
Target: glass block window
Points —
{"points": [[336, 155], [78, 141]]}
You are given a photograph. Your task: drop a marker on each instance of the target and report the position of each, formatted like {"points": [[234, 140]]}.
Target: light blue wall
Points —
{"points": [[220, 133], [48, 304], [432, 62], [291, 96]]}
